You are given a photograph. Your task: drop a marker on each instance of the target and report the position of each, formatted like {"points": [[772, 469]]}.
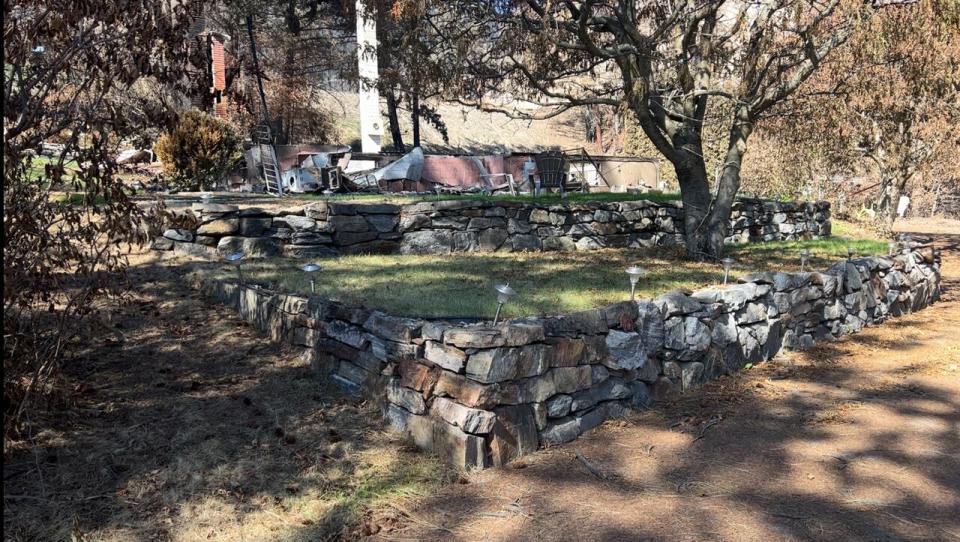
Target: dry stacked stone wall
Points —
{"points": [[481, 395], [440, 227]]}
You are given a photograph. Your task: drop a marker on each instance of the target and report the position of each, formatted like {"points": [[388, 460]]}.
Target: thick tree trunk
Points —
{"points": [[705, 219], [394, 121], [729, 182], [695, 194], [694, 189]]}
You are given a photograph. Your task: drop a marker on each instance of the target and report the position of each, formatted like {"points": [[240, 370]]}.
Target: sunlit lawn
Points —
{"points": [[546, 283], [551, 198]]}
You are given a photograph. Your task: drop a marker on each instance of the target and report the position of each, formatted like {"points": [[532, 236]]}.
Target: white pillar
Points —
{"points": [[371, 128]]}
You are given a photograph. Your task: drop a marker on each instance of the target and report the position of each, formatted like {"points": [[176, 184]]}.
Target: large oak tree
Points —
{"points": [[663, 60]]}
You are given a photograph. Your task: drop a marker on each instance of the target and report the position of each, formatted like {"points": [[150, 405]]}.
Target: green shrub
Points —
{"points": [[199, 151]]}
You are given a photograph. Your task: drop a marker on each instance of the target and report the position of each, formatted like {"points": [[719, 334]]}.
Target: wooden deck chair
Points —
{"points": [[551, 170]]}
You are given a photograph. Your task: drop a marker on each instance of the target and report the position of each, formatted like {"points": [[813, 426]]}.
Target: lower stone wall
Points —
{"points": [[481, 395], [441, 227]]}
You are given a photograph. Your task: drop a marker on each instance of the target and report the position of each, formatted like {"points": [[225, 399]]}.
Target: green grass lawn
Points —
{"points": [[38, 165], [461, 285], [571, 197]]}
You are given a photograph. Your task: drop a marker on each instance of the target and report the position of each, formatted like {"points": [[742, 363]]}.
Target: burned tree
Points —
{"points": [[73, 82], [888, 104]]}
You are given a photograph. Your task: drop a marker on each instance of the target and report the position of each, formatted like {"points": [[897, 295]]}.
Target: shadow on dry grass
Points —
{"points": [[195, 427]]}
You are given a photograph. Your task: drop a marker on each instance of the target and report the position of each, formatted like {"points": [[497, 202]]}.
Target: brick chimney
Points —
{"points": [[218, 67]]}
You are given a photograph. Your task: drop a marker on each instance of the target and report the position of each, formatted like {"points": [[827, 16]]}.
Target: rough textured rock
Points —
{"points": [[561, 431], [346, 333], [475, 337], [626, 350], [392, 327], [688, 336], [194, 250], [308, 251], [471, 420], [676, 303], [500, 364], [383, 223], [214, 208], [565, 352], [176, 234], [610, 389], [559, 405], [161, 243], [221, 226], [254, 227], [465, 391], [450, 358], [348, 224], [459, 448], [514, 434], [427, 242], [410, 400], [492, 239], [576, 323], [252, 247], [295, 222], [417, 376]]}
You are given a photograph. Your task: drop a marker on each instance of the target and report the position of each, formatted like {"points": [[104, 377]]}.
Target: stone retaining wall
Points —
{"points": [[323, 229], [481, 395]]}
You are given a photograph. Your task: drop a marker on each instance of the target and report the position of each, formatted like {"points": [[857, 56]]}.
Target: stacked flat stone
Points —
{"points": [[314, 230], [443, 227], [481, 395], [754, 220], [485, 226]]}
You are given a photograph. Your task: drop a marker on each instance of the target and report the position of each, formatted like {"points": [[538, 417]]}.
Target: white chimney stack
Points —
{"points": [[371, 128]]}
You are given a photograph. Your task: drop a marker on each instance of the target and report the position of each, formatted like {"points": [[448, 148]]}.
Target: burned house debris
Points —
{"points": [[335, 169], [274, 164]]}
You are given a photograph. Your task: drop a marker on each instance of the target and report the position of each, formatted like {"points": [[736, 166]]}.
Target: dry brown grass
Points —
{"points": [[194, 427]]}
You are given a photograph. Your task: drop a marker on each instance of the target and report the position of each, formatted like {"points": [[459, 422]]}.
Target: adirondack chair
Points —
{"points": [[552, 170]]}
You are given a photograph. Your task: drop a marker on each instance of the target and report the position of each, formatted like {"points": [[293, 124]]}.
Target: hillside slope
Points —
{"points": [[469, 130]]}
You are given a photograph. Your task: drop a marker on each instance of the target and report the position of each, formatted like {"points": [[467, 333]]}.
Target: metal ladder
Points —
{"points": [[268, 158]]}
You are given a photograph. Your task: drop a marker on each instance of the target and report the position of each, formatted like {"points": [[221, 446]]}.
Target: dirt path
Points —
{"points": [[854, 440]]}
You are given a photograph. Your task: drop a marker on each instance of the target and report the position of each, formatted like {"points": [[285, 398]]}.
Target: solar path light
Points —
{"points": [[310, 269], [850, 252], [635, 273], [235, 258], [727, 266], [504, 293], [804, 258], [892, 248]]}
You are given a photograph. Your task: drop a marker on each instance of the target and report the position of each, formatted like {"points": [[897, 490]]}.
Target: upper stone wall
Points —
{"points": [[440, 227], [481, 395]]}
